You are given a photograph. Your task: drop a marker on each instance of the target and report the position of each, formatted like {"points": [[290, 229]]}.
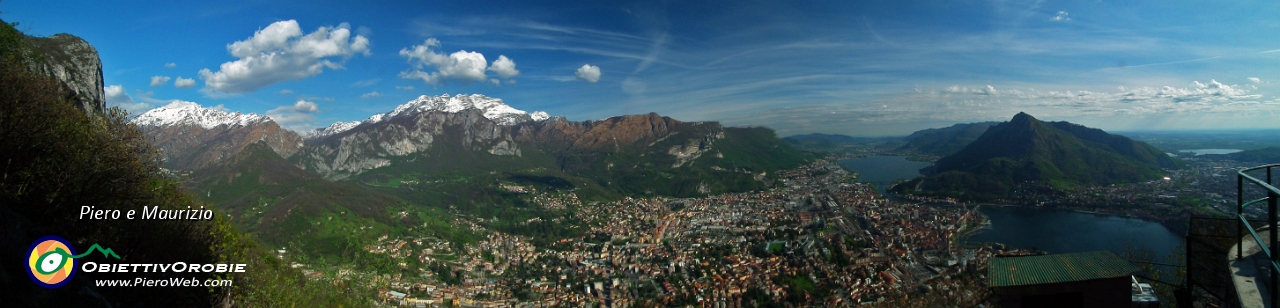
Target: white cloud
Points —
{"points": [[116, 97], [589, 73], [406, 88], [1062, 16], [184, 83], [371, 94], [281, 52], [1255, 79], [286, 92], [504, 67], [303, 106], [170, 65], [298, 117], [116, 92], [464, 66], [157, 81]]}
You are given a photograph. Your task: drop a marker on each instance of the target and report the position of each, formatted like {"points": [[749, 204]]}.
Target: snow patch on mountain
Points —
{"points": [[190, 113], [539, 116]]}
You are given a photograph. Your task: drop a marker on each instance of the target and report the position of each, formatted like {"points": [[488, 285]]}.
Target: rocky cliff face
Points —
{"points": [[192, 137], [621, 133], [373, 145], [75, 63]]}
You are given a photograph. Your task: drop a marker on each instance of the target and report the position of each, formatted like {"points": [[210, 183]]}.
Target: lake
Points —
{"points": [[1061, 231], [1054, 231], [1198, 152], [884, 170]]}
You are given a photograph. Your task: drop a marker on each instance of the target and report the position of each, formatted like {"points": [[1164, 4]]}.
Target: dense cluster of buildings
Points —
{"points": [[819, 238]]}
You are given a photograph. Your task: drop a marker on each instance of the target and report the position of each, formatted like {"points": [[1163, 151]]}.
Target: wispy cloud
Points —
{"points": [[365, 83], [1062, 16]]}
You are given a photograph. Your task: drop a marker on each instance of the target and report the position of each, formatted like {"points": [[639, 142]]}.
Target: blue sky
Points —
{"points": [[863, 68]]}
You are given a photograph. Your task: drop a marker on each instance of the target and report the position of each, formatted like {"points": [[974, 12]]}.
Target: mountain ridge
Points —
{"points": [[193, 137], [492, 108], [946, 140]]}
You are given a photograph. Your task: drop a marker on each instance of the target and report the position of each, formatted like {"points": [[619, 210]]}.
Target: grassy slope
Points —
{"points": [[647, 171], [284, 205]]}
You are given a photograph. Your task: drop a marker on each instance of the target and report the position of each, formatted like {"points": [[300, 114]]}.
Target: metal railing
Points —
{"points": [[1273, 195]]}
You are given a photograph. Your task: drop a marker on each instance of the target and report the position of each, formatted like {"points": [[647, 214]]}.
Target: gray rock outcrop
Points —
{"points": [[75, 64], [370, 146]]}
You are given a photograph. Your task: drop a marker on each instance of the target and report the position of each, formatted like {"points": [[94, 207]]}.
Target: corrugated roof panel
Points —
{"points": [[1055, 268]]}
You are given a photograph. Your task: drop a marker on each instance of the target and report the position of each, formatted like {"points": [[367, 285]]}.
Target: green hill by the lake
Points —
{"points": [[1028, 153]]}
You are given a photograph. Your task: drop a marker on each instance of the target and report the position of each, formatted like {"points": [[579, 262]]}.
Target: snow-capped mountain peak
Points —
{"points": [[190, 113], [330, 130], [493, 108]]}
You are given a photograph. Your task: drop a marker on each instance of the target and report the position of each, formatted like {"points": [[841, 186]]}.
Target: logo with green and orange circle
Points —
{"points": [[51, 262]]}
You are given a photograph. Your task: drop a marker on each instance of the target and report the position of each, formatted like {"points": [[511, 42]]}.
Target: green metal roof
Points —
{"points": [[1055, 268]]}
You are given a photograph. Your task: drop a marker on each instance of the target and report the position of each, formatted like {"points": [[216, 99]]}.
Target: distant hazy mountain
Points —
{"points": [[839, 143], [1026, 151], [947, 140], [193, 137], [1268, 155], [820, 138]]}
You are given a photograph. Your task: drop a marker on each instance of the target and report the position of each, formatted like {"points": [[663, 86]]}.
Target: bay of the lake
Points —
{"points": [[884, 170], [1198, 152], [1062, 231]]}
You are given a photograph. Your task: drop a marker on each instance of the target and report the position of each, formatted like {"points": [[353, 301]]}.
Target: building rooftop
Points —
{"points": [[1056, 268]]}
